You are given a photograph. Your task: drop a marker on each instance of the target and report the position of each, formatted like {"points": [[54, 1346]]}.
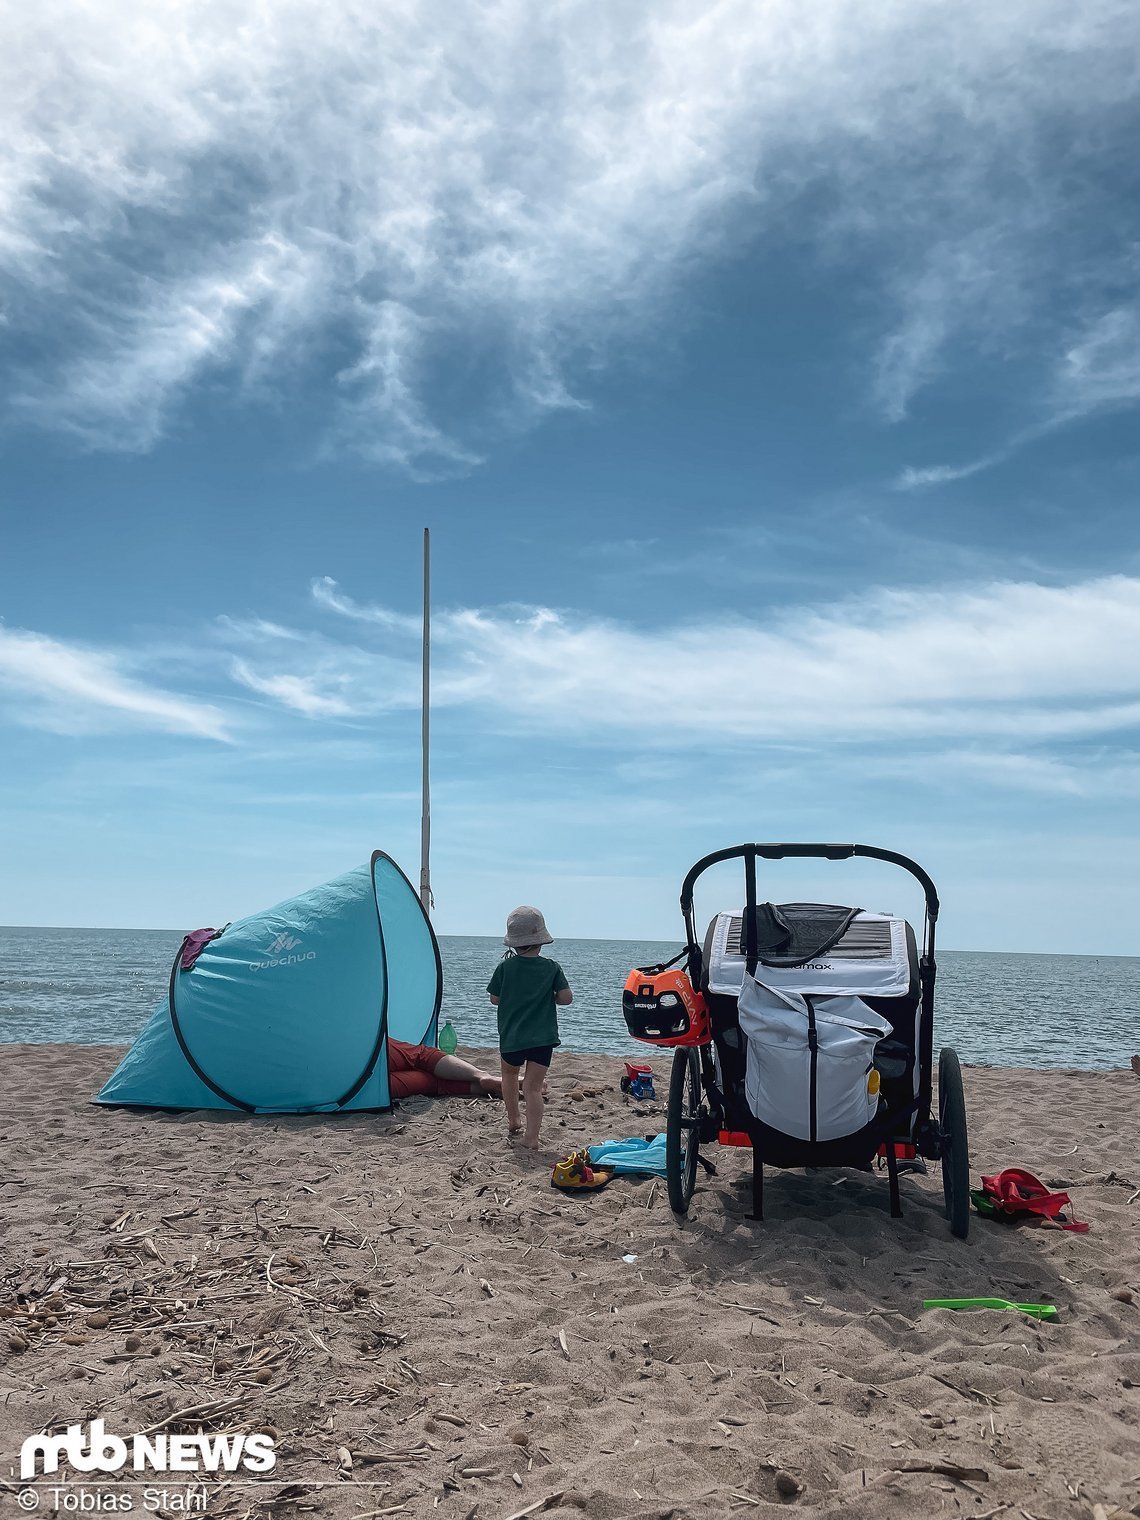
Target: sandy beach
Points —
{"points": [[425, 1327]]}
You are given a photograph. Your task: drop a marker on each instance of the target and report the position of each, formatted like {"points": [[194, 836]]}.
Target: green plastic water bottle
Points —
{"points": [[447, 1040]]}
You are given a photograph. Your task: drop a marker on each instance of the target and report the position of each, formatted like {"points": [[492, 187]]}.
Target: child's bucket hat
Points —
{"points": [[526, 926]]}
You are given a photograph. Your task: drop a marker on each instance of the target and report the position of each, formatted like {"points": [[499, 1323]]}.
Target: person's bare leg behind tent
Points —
{"points": [[456, 1069], [423, 1071]]}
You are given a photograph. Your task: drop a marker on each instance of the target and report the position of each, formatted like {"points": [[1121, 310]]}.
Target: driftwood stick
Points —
{"points": [[538, 1506], [195, 1411], [748, 1309], [946, 1469], [281, 1287]]}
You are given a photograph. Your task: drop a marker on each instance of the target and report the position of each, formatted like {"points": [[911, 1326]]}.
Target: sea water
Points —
{"points": [[97, 987]]}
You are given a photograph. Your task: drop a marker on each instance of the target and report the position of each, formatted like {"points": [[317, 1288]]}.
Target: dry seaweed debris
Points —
{"points": [[143, 1281], [193, 1332]]}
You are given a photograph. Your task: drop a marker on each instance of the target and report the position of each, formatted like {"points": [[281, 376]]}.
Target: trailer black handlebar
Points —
{"points": [[749, 852]]}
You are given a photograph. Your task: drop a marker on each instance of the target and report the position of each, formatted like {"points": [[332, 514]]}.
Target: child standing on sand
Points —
{"points": [[527, 989]]}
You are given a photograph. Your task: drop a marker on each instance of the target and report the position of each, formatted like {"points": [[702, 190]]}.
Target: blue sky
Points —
{"points": [[769, 380]]}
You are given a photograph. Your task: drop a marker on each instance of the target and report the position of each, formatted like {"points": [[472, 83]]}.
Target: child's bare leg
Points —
{"points": [[511, 1097], [533, 1078]]}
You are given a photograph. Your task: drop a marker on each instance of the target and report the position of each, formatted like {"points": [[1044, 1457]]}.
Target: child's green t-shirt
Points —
{"points": [[525, 986]]}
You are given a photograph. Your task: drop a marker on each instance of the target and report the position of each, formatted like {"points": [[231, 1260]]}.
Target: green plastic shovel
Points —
{"points": [[1037, 1311]]}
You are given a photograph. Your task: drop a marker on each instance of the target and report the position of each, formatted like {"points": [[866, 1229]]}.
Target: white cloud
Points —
{"points": [[932, 299], [1006, 675], [476, 201], [1098, 371], [912, 479], [72, 689], [318, 676], [384, 383], [1101, 369], [298, 692], [326, 593], [1010, 661], [257, 630], [1099, 776], [117, 394]]}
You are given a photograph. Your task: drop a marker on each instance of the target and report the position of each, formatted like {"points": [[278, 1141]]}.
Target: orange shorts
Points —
{"points": [[411, 1073]]}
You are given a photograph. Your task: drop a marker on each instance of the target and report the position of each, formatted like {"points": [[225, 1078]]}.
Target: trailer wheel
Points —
{"points": [[682, 1128], [954, 1143]]}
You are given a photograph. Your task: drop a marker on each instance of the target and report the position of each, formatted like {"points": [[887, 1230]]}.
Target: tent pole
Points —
{"points": [[425, 817]]}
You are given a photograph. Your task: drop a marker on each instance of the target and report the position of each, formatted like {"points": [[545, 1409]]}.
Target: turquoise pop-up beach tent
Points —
{"points": [[290, 1011]]}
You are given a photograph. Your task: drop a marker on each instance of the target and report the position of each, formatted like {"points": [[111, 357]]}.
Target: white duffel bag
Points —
{"points": [[810, 1094]]}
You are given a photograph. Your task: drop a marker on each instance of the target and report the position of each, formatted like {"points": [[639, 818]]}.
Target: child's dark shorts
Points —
{"points": [[541, 1055]]}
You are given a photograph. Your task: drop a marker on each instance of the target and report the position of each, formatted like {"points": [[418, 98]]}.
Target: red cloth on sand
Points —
{"points": [[411, 1073]]}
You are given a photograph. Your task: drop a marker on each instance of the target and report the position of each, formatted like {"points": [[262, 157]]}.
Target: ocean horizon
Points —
{"points": [[1014, 1008]]}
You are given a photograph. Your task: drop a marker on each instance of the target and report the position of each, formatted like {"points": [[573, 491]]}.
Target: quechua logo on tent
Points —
{"points": [[280, 953]]}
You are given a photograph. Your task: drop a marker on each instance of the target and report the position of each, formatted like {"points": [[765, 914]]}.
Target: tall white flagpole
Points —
{"points": [[425, 818]]}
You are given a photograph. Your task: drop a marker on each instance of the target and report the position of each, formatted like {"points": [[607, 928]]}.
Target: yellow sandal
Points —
{"points": [[577, 1174]]}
